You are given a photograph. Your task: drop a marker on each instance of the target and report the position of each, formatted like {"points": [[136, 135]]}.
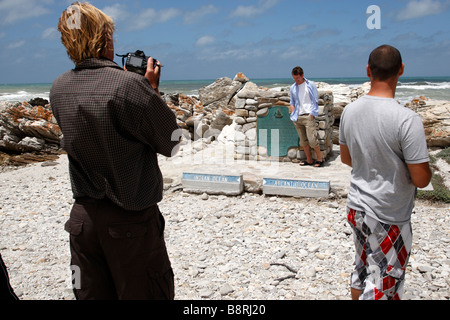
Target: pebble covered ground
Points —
{"points": [[246, 247]]}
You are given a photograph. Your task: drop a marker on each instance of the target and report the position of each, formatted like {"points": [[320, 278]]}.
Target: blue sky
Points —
{"points": [[202, 39]]}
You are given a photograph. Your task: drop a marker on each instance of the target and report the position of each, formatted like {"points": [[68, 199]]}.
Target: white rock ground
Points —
{"points": [[246, 247]]}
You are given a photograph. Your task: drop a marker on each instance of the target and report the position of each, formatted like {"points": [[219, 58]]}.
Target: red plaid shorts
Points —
{"points": [[382, 254]]}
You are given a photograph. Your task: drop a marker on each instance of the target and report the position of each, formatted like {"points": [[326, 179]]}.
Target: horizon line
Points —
{"points": [[212, 79]]}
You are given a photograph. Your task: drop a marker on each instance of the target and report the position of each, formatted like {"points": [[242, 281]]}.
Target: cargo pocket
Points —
{"points": [[73, 227], [162, 284]]}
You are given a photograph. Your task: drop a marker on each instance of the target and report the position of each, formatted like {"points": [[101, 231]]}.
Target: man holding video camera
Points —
{"points": [[114, 123]]}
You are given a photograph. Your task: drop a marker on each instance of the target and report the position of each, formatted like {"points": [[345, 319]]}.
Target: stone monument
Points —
{"points": [[262, 115]]}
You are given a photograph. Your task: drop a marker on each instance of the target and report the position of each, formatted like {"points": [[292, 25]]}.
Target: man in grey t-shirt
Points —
{"points": [[385, 145]]}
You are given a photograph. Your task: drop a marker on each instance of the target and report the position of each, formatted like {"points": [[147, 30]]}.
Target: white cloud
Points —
{"points": [[117, 12], [145, 18], [16, 45], [196, 15], [205, 40], [407, 36], [226, 51], [252, 11], [421, 8], [299, 28], [294, 53], [324, 33], [12, 11], [167, 14], [150, 16], [50, 33]]}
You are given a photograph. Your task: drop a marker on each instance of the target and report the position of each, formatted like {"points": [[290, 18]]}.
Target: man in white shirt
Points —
{"points": [[304, 109]]}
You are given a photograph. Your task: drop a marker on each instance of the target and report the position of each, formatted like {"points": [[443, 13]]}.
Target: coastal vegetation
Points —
{"points": [[440, 192]]}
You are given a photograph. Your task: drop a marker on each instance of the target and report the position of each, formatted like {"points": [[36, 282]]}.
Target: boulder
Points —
{"points": [[249, 91], [344, 94], [219, 93], [436, 120], [221, 120], [255, 95], [25, 128], [241, 78], [38, 102]]}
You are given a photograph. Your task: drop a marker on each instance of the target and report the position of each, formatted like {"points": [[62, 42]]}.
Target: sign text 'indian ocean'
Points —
{"points": [[296, 187]]}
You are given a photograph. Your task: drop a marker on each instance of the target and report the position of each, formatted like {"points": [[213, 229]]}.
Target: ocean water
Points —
{"points": [[437, 88]]}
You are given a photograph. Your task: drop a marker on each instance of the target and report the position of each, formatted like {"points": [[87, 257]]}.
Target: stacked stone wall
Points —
{"points": [[253, 102]]}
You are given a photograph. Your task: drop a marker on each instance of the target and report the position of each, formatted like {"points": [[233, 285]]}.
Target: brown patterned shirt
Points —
{"points": [[114, 124]]}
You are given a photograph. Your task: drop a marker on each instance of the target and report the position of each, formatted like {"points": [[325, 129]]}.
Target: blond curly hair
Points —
{"points": [[85, 31]]}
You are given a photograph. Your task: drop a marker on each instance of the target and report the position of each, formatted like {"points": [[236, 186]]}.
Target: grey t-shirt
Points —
{"points": [[382, 137]]}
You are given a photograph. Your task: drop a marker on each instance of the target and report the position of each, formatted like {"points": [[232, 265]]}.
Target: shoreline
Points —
{"points": [[413, 87]]}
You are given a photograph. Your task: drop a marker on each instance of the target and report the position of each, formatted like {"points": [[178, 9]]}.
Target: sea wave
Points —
{"points": [[424, 85], [407, 89], [22, 95]]}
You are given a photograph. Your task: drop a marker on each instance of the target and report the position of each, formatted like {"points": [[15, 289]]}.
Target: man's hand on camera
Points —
{"points": [[153, 74]]}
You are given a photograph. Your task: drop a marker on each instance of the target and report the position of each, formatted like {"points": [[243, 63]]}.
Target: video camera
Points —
{"points": [[137, 62]]}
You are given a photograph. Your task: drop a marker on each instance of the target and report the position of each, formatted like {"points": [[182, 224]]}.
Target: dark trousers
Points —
{"points": [[118, 254], [6, 292]]}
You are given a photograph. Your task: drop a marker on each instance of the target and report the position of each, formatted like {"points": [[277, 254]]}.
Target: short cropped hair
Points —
{"points": [[385, 62], [297, 71], [85, 31]]}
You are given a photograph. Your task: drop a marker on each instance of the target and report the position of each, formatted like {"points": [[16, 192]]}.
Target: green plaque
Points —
{"points": [[276, 132]]}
